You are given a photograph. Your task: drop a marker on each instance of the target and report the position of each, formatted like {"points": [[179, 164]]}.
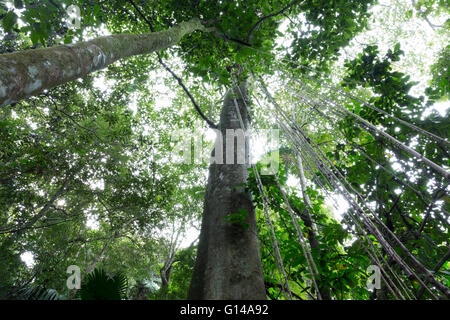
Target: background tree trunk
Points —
{"points": [[311, 228], [228, 264]]}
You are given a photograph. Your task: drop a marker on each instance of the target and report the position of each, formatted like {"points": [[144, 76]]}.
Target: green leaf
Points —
{"points": [[34, 36], [9, 21], [18, 4], [409, 14], [99, 286]]}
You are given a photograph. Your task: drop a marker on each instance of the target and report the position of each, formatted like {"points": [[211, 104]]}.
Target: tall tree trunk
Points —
{"points": [[228, 264], [27, 73]]}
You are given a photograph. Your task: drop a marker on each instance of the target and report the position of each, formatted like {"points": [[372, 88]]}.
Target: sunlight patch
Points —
{"points": [[28, 258], [92, 222]]}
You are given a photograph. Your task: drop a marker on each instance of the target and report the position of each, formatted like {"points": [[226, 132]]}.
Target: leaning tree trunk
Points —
{"points": [[228, 264], [30, 72], [325, 292]]}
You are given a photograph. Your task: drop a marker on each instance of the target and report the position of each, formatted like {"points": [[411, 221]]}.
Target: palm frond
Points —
{"points": [[98, 285]]}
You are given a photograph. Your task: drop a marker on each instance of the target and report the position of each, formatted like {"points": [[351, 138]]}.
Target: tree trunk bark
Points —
{"points": [[165, 278], [27, 73], [164, 273], [228, 264]]}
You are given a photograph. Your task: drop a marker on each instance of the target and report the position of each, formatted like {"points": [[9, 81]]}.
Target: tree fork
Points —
{"points": [[30, 72]]}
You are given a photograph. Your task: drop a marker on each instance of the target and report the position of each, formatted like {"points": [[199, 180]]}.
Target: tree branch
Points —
{"points": [[277, 285], [260, 21], [430, 207], [180, 82], [435, 269]]}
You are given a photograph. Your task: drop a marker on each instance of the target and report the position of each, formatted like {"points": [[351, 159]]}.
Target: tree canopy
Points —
{"points": [[90, 176]]}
